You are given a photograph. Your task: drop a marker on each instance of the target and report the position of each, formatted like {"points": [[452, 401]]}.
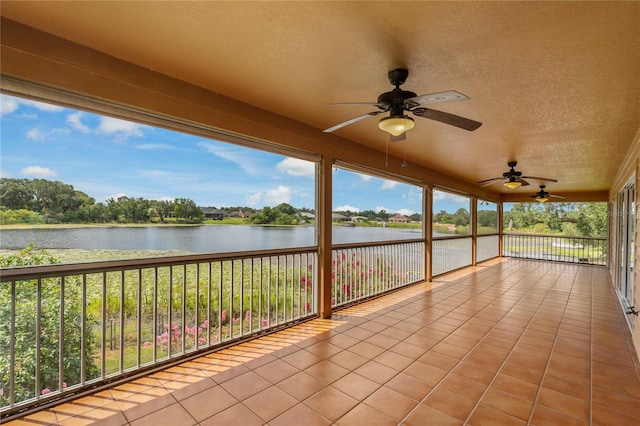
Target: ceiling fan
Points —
{"points": [[397, 101], [543, 196], [513, 178]]}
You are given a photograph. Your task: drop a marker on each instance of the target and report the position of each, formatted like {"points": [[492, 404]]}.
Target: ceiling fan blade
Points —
{"points": [[432, 98], [351, 121], [378, 104], [557, 196], [445, 117], [490, 180], [522, 181], [540, 178]]}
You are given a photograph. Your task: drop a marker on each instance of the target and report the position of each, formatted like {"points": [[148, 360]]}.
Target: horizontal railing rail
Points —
{"points": [[363, 270], [69, 327], [559, 248]]}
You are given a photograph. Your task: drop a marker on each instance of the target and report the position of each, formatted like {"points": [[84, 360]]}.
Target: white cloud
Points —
{"points": [[297, 167], [155, 146], [41, 106], [236, 156], [365, 177], [405, 212], [413, 194], [447, 196], [282, 194], [7, 105], [75, 120], [38, 172], [36, 135], [388, 184], [254, 199], [123, 129], [346, 208]]}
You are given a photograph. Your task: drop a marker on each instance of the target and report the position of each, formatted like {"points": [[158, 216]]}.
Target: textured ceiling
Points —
{"points": [[556, 84]]}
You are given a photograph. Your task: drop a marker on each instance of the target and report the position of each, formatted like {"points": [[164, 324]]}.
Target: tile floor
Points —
{"points": [[510, 342]]}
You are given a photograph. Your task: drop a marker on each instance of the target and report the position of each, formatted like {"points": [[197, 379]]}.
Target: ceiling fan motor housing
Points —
{"points": [[395, 101], [398, 76]]}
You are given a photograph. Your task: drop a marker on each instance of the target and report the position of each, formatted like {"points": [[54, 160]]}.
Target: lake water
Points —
{"points": [[197, 239]]}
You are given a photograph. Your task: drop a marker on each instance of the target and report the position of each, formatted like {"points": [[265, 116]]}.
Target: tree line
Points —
{"points": [[36, 201], [577, 219], [44, 201]]}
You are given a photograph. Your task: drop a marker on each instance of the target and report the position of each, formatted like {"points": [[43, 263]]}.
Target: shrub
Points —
{"points": [[26, 304]]}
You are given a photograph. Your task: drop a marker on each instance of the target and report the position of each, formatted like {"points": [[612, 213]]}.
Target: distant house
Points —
{"points": [[338, 216], [213, 213], [359, 218], [308, 215], [239, 213], [399, 219]]}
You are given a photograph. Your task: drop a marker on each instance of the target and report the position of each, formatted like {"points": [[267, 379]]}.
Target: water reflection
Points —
{"points": [[197, 239]]}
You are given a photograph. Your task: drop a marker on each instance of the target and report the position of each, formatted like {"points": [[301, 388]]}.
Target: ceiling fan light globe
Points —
{"points": [[542, 199], [512, 184], [396, 125]]}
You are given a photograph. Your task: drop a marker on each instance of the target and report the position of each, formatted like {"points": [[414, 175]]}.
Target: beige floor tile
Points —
{"points": [[208, 403], [363, 415], [356, 386], [507, 403], [409, 386], [270, 403], [348, 360], [300, 415], [534, 345], [423, 415], [331, 403], [276, 371], [172, 415], [326, 371], [246, 385], [449, 403], [391, 403], [301, 385], [237, 415], [377, 372]]}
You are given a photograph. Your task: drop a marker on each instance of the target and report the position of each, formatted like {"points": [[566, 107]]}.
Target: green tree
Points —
{"points": [[461, 217], [49, 292], [283, 214], [443, 217], [163, 209], [592, 219], [52, 199], [135, 210], [15, 194], [488, 218], [186, 209], [10, 217]]}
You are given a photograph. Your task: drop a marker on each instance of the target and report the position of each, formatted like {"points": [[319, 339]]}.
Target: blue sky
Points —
{"points": [[106, 157]]}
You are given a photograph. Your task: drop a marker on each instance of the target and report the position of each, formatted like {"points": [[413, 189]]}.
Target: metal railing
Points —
{"points": [[69, 327], [450, 253], [588, 250], [487, 247], [363, 270]]}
